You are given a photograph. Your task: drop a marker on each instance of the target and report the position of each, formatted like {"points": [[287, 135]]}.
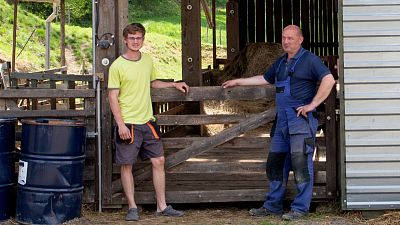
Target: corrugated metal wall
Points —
{"points": [[371, 115]]}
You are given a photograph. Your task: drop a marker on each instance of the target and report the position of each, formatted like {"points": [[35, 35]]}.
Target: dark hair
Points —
{"points": [[133, 28]]}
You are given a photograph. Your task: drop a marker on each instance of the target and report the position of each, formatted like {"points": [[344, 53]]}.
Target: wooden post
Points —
{"points": [[110, 21], [14, 35], [232, 29], [191, 42]]}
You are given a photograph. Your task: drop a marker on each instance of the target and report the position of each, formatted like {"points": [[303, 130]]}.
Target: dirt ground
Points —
{"points": [[323, 214]]}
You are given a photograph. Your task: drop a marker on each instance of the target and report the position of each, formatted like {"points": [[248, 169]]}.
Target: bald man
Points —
{"points": [[295, 76]]}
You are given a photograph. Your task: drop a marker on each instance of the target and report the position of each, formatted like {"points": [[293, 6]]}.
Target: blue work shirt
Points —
{"points": [[306, 70]]}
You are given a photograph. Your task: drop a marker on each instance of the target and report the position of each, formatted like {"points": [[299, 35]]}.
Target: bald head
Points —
{"points": [[292, 37], [294, 28]]}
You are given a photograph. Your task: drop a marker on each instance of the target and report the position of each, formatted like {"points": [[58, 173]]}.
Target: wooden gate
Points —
{"points": [[226, 167]]}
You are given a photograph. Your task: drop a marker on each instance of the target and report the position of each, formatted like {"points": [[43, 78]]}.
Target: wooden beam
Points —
{"points": [[203, 145], [46, 93], [232, 29], [201, 119], [214, 93], [207, 13], [191, 42], [51, 76], [47, 113]]}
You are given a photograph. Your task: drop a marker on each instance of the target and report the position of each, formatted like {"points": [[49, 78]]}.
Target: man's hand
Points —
{"points": [[230, 83], [124, 132], [182, 86], [303, 110]]}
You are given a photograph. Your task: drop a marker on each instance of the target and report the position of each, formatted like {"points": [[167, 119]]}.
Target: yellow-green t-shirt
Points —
{"points": [[133, 79]]}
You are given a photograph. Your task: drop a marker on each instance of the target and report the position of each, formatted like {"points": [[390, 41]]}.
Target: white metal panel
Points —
{"points": [[377, 12], [366, 107], [381, 28], [372, 169], [373, 154], [369, 75], [371, 59], [368, 44], [372, 122], [373, 201], [373, 138], [369, 2], [372, 91]]}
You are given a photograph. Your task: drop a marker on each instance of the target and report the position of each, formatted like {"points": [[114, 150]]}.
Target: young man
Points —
{"points": [[295, 76], [130, 77]]}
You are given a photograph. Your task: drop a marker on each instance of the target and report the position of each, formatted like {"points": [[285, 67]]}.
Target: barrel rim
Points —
{"points": [[53, 122], [6, 119]]}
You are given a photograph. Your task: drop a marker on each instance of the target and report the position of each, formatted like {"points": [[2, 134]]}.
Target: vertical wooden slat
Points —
{"points": [[331, 143], [34, 102], [305, 22], [330, 38], [191, 43], [296, 13], [214, 34], [287, 12], [321, 27], [336, 26], [53, 101], [312, 25], [278, 20], [71, 85], [269, 17], [251, 23], [232, 29], [242, 24], [260, 20]]}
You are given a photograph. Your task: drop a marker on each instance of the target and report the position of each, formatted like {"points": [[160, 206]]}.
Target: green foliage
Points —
{"points": [[142, 9]]}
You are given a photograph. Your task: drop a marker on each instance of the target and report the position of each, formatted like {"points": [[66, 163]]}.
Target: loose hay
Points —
{"points": [[253, 60]]}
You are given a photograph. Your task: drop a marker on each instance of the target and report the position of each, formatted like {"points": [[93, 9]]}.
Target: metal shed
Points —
{"points": [[370, 104]]}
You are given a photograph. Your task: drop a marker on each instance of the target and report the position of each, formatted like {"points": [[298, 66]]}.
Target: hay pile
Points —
{"points": [[253, 60]]}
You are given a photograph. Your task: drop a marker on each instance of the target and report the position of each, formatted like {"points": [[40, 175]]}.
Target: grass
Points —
{"points": [[163, 38]]}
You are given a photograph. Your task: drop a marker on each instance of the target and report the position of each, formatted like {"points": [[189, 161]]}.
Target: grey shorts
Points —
{"points": [[145, 143]]}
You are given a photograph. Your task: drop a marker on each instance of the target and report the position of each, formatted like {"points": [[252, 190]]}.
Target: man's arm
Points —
{"points": [[324, 89], [255, 80], [181, 86], [123, 131]]}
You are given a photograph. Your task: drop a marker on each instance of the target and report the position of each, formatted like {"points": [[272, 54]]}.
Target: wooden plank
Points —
{"points": [[287, 12], [336, 27], [331, 145], [173, 111], [269, 17], [50, 76], [207, 196], [237, 142], [213, 93], [260, 20], [201, 119], [202, 146], [305, 22], [242, 24], [312, 25], [191, 43], [207, 13], [251, 21], [47, 113], [232, 30], [47, 93], [34, 101], [296, 12], [278, 20]]}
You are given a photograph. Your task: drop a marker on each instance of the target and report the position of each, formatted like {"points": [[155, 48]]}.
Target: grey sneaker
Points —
{"points": [[133, 215], [169, 211], [294, 215], [263, 212]]}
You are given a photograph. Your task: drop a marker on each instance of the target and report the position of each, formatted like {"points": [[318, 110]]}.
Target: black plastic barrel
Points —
{"points": [[7, 168], [50, 179]]}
